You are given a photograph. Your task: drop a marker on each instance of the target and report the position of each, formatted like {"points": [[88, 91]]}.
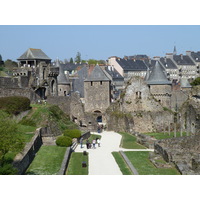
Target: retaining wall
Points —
{"points": [[24, 159]]}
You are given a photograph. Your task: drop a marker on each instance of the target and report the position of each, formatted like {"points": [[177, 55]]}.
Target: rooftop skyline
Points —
{"points": [[98, 41]]}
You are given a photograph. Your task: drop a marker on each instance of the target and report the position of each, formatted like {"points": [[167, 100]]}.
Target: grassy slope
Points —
{"points": [[143, 165], [129, 142], [48, 161], [75, 164], [41, 114]]}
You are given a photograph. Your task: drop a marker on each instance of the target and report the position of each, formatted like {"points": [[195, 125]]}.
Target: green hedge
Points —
{"points": [[72, 133], [64, 141], [14, 104]]}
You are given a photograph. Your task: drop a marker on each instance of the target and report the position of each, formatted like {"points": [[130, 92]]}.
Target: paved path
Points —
{"points": [[101, 160]]}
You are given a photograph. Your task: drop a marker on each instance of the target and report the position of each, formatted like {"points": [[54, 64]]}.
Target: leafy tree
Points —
{"points": [[196, 81], [78, 57], [71, 60], [9, 64], [65, 61], [1, 63]]}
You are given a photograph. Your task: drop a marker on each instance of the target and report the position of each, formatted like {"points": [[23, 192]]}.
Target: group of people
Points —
{"points": [[91, 145]]}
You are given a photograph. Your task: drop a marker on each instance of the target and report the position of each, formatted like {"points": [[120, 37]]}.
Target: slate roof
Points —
{"points": [[72, 66], [138, 57], [196, 56], [132, 65], [78, 83], [183, 60], [97, 75], [158, 76], [34, 54], [62, 79], [185, 83], [168, 63], [114, 73]]}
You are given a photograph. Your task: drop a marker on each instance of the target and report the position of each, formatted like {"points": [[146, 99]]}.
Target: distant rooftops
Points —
{"points": [[183, 60], [132, 64], [34, 54], [168, 63], [113, 73]]}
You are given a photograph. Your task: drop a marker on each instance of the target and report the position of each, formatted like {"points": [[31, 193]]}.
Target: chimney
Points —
{"points": [[181, 56], [156, 57], [188, 53], [169, 55]]}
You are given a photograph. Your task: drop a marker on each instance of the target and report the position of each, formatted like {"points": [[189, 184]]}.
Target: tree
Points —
{"points": [[71, 61], [196, 81], [9, 64], [78, 57], [1, 63], [9, 139]]}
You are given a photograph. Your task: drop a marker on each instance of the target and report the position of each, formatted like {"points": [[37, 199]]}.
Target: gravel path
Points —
{"points": [[101, 160]]}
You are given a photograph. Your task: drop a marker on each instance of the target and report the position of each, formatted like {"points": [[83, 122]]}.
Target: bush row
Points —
{"points": [[66, 139], [14, 104]]}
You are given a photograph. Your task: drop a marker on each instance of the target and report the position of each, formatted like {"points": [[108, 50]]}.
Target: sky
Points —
{"points": [[97, 41]]}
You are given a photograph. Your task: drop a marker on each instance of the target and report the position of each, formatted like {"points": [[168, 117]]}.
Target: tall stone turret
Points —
{"points": [[160, 87], [97, 91]]}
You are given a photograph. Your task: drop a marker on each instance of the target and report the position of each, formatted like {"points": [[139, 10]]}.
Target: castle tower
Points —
{"points": [[63, 81], [97, 91], [160, 86], [42, 77]]}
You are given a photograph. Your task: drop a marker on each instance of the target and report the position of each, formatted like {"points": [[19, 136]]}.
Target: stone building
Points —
{"points": [[186, 66], [34, 78], [160, 87], [42, 76], [97, 91], [64, 87], [128, 67]]}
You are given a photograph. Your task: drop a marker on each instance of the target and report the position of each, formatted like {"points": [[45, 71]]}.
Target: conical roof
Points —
{"points": [[34, 54], [97, 75], [158, 76], [185, 83], [62, 79]]}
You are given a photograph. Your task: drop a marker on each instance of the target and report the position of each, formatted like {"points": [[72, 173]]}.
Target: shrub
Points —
{"points": [[64, 141], [14, 104], [7, 169], [196, 81], [72, 133]]}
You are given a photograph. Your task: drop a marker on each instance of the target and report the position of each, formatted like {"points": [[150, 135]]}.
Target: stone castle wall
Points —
{"points": [[24, 159], [97, 96], [183, 152]]}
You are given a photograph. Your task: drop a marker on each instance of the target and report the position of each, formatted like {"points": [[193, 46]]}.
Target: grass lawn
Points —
{"points": [[144, 166], [75, 164], [122, 164], [47, 161], [129, 142], [160, 136]]}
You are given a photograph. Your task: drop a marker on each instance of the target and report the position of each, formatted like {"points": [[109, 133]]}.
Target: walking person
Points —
{"points": [[87, 144], [81, 142], [94, 142], [98, 142]]}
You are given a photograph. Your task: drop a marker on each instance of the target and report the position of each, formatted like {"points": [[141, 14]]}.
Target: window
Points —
{"points": [[91, 83], [100, 82]]}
